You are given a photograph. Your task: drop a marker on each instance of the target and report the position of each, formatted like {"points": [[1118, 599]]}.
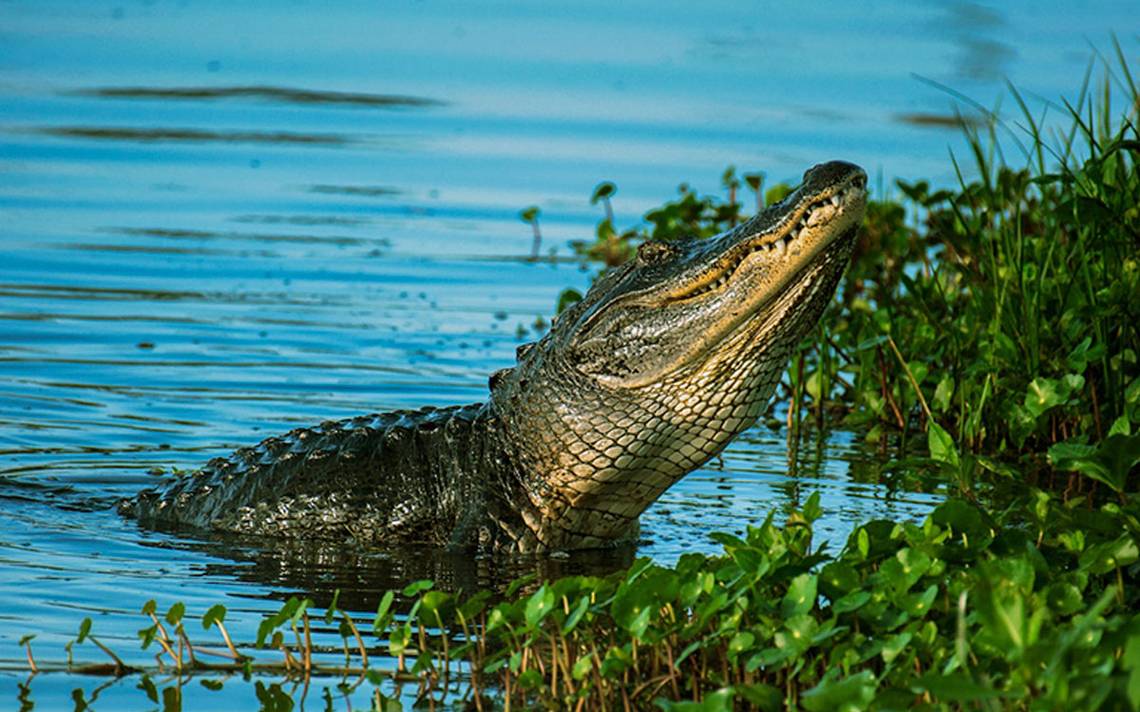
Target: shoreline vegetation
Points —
{"points": [[985, 341]]}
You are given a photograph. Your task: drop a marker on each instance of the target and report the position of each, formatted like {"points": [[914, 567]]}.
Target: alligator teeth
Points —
{"points": [[835, 200], [781, 247]]}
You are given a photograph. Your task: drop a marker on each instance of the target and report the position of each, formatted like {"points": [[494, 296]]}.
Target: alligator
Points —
{"points": [[661, 364]]}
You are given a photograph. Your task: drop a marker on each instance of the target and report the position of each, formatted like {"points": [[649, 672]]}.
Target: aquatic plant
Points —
{"points": [[1030, 608]]}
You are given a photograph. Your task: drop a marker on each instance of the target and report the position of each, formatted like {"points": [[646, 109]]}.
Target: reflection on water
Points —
{"points": [[186, 271], [978, 31], [365, 191], [108, 133], [267, 93]]}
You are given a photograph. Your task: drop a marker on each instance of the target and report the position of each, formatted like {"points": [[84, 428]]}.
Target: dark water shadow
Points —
{"points": [[977, 32], [182, 135], [363, 191], [275, 94], [206, 235], [955, 122], [318, 569], [302, 220]]}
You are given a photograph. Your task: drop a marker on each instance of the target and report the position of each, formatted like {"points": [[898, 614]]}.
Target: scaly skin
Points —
{"points": [[656, 370]]}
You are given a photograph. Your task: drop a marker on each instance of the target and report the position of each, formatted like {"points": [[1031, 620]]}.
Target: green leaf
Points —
{"points": [[1131, 662], [540, 603], [777, 193], [530, 679], [941, 400], [529, 215], [905, 568], [837, 578], [602, 190], [149, 689], [1063, 598], [330, 612], [848, 694], [416, 587], [941, 445], [1045, 393], [518, 583], [762, 696], [851, 602], [719, 701], [174, 615], [576, 614], [216, 614], [382, 619], [1107, 556], [1110, 462], [800, 597], [863, 542], [953, 687], [434, 605], [812, 509], [739, 643], [582, 667], [566, 299], [918, 604], [895, 645], [399, 638], [84, 629]]}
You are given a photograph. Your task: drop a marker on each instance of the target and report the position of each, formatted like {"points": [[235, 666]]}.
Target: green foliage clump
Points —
{"points": [[1030, 608]]}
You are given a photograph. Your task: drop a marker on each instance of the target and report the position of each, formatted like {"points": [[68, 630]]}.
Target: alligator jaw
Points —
{"points": [[816, 219], [733, 278]]}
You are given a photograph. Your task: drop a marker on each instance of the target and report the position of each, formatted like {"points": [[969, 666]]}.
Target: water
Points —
{"points": [[220, 222]]}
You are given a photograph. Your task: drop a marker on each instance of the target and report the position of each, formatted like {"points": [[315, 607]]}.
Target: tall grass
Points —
{"points": [[1007, 309]]}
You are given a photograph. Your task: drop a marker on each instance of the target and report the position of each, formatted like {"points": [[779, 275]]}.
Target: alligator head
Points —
{"points": [[665, 360]]}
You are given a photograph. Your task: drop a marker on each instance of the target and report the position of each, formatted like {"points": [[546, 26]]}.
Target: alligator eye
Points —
{"points": [[655, 251]]}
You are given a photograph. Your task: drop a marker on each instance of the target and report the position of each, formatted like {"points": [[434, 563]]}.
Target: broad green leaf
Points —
{"points": [[895, 645], [416, 587], [175, 613], [851, 602], [941, 445], [953, 687], [848, 694], [216, 614], [582, 667], [576, 614], [800, 597], [941, 400], [540, 603]]}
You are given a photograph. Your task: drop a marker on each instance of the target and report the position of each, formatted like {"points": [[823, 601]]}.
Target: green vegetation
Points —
{"points": [[1032, 607], [987, 340]]}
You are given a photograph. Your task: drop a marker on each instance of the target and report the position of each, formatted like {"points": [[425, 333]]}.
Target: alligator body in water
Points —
{"points": [[662, 363]]}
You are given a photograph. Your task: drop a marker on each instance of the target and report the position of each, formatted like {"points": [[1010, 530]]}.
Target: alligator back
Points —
{"points": [[405, 475]]}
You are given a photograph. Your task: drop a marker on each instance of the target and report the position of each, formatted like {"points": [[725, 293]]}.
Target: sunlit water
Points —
{"points": [[222, 222]]}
